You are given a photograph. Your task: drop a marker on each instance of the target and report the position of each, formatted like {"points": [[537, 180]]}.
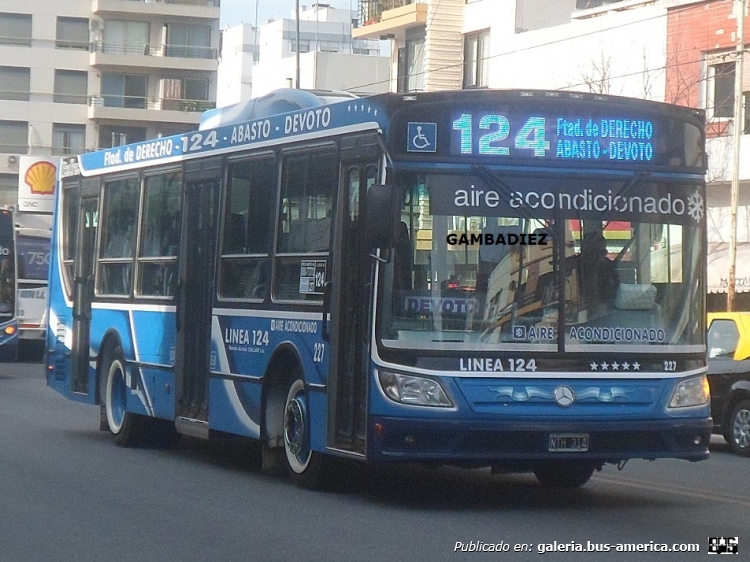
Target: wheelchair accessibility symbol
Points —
{"points": [[421, 137]]}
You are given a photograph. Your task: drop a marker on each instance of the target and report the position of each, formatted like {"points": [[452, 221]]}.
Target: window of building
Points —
{"points": [[304, 46], [328, 47], [182, 93], [116, 135], [722, 89], [411, 62], [72, 33], [189, 41], [248, 231], [14, 137], [746, 108], [14, 83], [307, 194], [118, 237], [124, 90], [15, 29], [70, 86], [68, 139], [160, 236], [586, 4], [121, 36], [476, 59]]}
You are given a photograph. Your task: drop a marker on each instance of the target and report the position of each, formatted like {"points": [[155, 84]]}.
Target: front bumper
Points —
{"points": [[477, 443]]}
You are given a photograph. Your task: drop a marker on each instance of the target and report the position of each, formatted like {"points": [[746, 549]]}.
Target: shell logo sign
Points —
{"points": [[40, 177], [36, 184]]}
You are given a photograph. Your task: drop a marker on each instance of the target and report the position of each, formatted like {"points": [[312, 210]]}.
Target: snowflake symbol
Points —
{"points": [[695, 206]]}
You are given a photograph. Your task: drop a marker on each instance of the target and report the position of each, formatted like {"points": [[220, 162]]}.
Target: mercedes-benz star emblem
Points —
{"points": [[564, 396]]}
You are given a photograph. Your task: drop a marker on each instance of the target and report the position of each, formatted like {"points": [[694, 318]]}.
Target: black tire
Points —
{"points": [[307, 468], [738, 428], [127, 428], [564, 474]]}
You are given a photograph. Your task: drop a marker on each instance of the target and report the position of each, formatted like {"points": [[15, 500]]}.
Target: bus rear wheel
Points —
{"points": [[306, 467], [127, 428], [564, 474]]}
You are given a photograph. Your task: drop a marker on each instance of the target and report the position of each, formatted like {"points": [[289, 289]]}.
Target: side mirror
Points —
{"points": [[381, 217]]}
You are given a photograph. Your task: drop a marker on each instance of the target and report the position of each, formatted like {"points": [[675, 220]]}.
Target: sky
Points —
{"points": [[234, 12]]}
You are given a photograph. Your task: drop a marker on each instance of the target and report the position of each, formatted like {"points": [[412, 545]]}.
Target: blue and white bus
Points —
{"points": [[512, 279]]}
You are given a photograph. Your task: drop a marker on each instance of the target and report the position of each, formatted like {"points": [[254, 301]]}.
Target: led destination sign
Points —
{"points": [[610, 139]]}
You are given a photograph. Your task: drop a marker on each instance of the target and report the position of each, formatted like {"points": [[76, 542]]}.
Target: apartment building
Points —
{"points": [[587, 45], [86, 74], [257, 61]]}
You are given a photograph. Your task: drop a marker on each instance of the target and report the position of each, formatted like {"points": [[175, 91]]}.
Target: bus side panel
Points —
{"points": [[106, 321], [234, 406], [158, 385], [154, 332], [244, 345]]}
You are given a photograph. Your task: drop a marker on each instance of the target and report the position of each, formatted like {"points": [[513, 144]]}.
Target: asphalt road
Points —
{"points": [[68, 493]]}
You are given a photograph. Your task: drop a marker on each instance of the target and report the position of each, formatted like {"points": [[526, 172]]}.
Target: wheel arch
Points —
{"points": [[284, 365], [110, 341], [739, 391]]}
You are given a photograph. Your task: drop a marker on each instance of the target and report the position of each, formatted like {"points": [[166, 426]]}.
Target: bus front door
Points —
{"points": [[350, 301], [194, 301], [83, 293]]}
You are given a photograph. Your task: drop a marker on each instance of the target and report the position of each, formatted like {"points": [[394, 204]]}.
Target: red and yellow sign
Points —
{"points": [[36, 184], [40, 177]]}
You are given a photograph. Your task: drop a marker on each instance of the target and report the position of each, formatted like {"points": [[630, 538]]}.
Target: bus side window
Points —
{"points": [[157, 257], [246, 241], [119, 236], [307, 198]]}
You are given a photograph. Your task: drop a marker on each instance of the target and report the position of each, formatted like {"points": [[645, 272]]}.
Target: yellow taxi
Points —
{"points": [[729, 377]]}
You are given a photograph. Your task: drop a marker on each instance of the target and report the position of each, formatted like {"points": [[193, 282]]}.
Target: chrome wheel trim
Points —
{"points": [[741, 428], [297, 429]]}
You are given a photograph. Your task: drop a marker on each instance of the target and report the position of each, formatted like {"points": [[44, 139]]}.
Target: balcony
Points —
{"points": [[389, 18], [208, 9], [142, 109], [179, 57]]}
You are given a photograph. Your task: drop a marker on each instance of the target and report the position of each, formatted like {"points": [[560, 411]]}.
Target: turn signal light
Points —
{"points": [[10, 330]]}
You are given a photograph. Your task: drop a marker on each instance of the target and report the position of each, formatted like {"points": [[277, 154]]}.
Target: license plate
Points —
{"points": [[568, 442]]}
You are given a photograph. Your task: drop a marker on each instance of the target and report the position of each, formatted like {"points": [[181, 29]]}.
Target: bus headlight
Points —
{"points": [[418, 391], [691, 392]]}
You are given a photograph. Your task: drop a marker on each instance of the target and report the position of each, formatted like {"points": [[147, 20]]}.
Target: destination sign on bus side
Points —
{"points": [[231, 137]]}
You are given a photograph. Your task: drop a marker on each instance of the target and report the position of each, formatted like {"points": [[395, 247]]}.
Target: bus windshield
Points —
{"points": [[563, 264]]}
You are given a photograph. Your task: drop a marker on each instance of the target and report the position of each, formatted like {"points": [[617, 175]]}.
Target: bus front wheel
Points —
{"points": [[306, 467], [126, 427]]}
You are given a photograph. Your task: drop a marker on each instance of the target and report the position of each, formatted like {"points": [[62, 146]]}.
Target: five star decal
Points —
{"points": [[360, 107], [615, 366]]}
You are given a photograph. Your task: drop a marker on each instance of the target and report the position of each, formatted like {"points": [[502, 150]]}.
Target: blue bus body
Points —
{"points": [[471, 357]]}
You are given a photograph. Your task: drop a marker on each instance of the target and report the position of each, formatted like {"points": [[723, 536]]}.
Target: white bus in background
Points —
{"points": [[33, 246]]}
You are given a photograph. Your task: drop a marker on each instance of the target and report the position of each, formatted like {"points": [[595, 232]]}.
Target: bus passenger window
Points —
{"points": [[119, 214], [247, 235], [307, 196], [157, 256]]}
